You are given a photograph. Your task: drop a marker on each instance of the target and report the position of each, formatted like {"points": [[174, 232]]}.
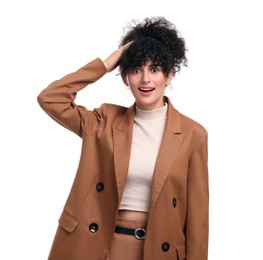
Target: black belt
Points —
{"points": [[139, 233]]}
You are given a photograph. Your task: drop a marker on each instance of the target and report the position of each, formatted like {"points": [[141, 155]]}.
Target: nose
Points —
{"points": [[145, 77]]}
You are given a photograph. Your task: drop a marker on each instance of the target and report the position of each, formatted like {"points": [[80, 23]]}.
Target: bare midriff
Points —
{"points": [[133, 215]]}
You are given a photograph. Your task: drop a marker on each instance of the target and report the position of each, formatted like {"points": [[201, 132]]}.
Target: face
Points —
{"points": [[147, 84]]}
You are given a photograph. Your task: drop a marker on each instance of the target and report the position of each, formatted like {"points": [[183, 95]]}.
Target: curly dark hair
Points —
{"points": [[155, 39]]}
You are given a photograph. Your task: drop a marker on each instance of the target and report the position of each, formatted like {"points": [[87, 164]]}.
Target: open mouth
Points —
{"points": [[146, 90]]}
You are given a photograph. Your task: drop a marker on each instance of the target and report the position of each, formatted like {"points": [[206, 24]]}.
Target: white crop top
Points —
{"points": [[148, 132]]}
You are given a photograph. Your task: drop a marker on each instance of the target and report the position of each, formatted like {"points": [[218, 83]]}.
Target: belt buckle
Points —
{"points": [[139, 233]]}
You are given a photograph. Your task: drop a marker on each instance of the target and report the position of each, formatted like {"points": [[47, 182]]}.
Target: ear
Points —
{"points": [[125, 81], [170, 78]]}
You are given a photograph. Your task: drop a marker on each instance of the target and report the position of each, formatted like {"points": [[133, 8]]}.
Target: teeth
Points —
{"points": [[146, 89]]}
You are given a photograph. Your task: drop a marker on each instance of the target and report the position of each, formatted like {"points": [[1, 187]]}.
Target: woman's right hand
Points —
{"points": [[112, 61]]}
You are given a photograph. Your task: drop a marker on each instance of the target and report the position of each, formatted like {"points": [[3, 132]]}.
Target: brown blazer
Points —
{"points": [[177, 224]]}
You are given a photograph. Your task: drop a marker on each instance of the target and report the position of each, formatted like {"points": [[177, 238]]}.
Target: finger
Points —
{"points": [[127, 45]]}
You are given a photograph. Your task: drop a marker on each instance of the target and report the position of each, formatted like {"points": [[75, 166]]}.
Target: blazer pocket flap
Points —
{"points": [[181, 251], [68, 222]]}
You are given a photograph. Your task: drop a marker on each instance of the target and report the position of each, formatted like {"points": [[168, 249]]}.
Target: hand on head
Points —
{"points": [[112, 61]]}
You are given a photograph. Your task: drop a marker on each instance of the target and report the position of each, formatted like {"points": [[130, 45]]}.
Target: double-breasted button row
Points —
{"points": [[166, 245], [93, 227]]}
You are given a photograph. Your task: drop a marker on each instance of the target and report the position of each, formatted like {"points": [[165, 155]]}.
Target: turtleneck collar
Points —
{"points": [[150, 115]]}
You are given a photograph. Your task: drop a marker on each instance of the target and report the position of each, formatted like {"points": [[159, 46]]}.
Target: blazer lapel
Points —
{"points": [[122, 140], [171, 143]]}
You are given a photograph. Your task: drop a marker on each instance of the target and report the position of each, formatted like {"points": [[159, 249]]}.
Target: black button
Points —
{"points": [[165, 246], [99, 186], [174, 202], [93, 227]]}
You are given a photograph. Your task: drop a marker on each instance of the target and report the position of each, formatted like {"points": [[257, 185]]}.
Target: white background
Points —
{"points": [[43, 40]]}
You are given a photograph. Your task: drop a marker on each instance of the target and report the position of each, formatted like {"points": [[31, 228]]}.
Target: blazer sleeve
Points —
{"points": [[198, 202], [57, 100]]}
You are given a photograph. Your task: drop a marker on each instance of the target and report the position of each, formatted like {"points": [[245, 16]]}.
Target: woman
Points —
{"points": [[141, 188]]}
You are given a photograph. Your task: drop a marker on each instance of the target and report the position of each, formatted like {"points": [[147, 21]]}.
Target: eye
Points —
{"points": [[155, 69], [135, 70]]}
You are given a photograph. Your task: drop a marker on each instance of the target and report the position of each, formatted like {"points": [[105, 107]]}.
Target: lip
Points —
{"points": [[146, 91]]}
